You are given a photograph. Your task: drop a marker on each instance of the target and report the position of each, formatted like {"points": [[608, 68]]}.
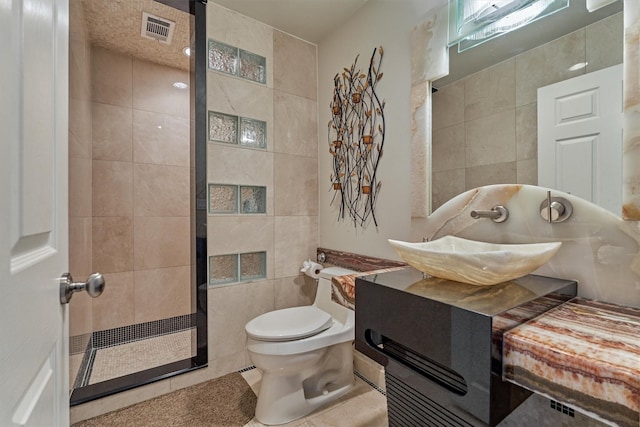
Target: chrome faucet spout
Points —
{"points": [[497, 214]]}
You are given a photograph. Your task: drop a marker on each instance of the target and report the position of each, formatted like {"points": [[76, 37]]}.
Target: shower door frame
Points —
{"points": [[87, 393]]}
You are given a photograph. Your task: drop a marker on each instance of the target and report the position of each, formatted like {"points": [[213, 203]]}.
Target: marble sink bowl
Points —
{"points": [[473, 262]]}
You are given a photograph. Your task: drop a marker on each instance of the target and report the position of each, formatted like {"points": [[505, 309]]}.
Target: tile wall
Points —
{"points": [[283, 170], [485, 126], [140, 181]]}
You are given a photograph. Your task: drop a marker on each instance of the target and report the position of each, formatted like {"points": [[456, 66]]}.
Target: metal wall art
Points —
{"points": [[356, 137]]}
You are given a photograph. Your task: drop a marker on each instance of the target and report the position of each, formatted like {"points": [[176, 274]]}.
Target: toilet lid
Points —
{"points": [[289, 324]]}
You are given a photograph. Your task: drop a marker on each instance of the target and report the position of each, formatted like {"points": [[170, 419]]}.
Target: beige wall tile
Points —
{"points": [[112, 132], [294, 291], [260, 298], [527, 172], [448, 148], [112, 188], [111, 77], [79, 69], [448, 105], [79, 128], [296, 185], [605, 41], [160, 190], [153, 89], [498, 173], [115, 307], [234, 165], [161, 293], [80, 187], [161, 139], [112, 242], [446, 184], [490, 91], [296, 240], [80, 243], [227, 313], [527, 132], [491, 139], [548, 64], [80, 312], [161, 242], [294, 66], [296, 125]]}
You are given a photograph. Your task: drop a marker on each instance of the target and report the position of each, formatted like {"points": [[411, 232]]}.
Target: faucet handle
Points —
{"points": [[555, 209]]}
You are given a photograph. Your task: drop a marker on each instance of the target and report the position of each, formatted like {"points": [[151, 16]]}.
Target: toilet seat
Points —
{"points": [[289, 324]]}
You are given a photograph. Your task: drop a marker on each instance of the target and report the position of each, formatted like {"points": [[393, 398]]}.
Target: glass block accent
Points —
{"points": [[253, 200], [223, 128], [253, 133], [253, 67], [223, 199], [223, 57], [223, 269], [253, 266]]}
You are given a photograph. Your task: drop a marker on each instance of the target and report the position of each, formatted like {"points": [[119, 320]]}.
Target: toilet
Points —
{"points": [[305, 354]]}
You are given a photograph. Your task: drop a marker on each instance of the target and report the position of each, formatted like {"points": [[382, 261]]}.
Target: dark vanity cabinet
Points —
{"points": [[441, 342]]}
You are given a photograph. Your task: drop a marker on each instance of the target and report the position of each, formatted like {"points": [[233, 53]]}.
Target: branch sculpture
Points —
{"points": [[356, 139]]}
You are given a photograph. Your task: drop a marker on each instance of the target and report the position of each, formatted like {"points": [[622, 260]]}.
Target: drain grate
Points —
{"points": [[562, 408]]}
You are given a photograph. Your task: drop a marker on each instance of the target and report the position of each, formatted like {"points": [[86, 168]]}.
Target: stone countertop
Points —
{"points": [[583, 353], [344, 287]]}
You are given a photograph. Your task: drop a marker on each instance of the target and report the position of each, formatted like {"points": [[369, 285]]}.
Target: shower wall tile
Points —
{"points": [[111, 132], [79, 187], [233, 165], [527, 132], [246, 33], [115, 307], [112, 188], [296, 185], [491, 139], [294, 66], [294, 291], [446, 184], [605, 41], [448, 148], [226, 326], [161, 242], [161, 190], [296, 125], [260, 298], [498, 173], [80, 246], [80, 315], [296, 240], [79, 68], [111, 77], [161, 139], [112, 243], [548, 64], [236, 97], [153, 89], [161, 293], [527, 171], [490, 91], [79, 128], [448, 105]]}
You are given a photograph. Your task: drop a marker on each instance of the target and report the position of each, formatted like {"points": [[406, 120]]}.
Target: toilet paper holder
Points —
{"points": [[311, 269]]}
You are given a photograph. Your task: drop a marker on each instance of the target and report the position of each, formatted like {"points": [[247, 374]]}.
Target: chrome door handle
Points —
{"points": [[94, 286]]}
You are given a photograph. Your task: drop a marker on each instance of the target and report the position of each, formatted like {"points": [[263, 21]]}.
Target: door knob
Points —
{"points": [[94, 286]]}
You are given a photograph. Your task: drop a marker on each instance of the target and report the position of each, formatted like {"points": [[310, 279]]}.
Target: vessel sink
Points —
{"points": [[473, 262]]}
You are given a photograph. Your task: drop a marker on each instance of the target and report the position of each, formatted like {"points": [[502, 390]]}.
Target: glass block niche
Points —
{"points": [[237, 130], [232, 199], [223, 269], [253, 266], [237, 62]]}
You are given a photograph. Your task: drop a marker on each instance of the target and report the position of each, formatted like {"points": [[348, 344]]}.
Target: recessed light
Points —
{"points": [[578, 66], [180, 85], [187, 51]]}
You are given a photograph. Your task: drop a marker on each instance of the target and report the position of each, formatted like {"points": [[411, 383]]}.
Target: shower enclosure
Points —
{"points": [[136, 175]]}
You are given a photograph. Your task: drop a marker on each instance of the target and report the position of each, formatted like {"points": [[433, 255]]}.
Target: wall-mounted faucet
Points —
{"points": [[497, 214], [555, 209]]}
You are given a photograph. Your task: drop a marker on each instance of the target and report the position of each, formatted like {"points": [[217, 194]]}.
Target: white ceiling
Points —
{"points": [[309, 20]]}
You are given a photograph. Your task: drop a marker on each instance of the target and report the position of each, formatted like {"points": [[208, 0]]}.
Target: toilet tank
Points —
{"points": [[323, 293]]}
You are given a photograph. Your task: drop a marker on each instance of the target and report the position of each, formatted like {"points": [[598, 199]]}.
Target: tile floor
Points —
{"points": [[362, 406]]}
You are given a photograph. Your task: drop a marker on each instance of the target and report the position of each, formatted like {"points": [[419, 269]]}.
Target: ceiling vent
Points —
{"points": [[156, 28]]}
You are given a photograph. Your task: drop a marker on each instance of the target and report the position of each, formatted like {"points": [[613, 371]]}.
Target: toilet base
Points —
{"points": [[287, 397]]}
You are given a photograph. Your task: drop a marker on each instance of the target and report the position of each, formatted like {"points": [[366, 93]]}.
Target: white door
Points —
{"points": [[33, 212], [580, 137]]}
